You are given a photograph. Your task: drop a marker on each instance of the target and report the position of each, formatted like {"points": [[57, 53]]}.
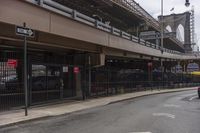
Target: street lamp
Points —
{"points": [[187, 3], [162, 26]]}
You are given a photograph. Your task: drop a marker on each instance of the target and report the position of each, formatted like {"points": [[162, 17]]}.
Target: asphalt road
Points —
{"points": [[164, 113]]}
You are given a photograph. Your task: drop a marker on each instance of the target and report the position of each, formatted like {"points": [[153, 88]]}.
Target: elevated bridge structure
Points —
{"points": [[136, 9], [126, 15], [48, 18]]}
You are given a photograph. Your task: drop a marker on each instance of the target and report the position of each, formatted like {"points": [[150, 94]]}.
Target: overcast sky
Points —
{"points": [[154, 8]]}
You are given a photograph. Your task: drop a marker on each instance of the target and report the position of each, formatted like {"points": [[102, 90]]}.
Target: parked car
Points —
{"points": [[198, 91], [10, 84], [43, 82], [38, 83]]}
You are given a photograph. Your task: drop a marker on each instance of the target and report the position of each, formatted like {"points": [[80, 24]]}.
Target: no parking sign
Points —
{"points": [[76, 70], [12, 63]]}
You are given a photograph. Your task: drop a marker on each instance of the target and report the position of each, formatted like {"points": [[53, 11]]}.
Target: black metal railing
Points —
{"points": [[11, 83], [113, 88]]}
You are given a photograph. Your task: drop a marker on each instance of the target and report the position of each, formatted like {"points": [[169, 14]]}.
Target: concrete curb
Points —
{"points": [[125, 99], [150, 95]]}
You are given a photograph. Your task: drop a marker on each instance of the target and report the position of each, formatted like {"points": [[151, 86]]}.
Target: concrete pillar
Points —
{"points": [[162, 72], [89, 75], [78, 84]]}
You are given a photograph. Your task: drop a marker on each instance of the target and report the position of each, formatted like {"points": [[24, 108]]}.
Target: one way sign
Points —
{"points": [[22, 31]]}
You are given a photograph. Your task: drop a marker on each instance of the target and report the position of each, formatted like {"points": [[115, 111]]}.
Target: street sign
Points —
{"points": [[23, 31], [12, 63], [169, 34], [150, 64], [65, 69], [146, 33], [156, 35], [149, 35], [76, 70]]}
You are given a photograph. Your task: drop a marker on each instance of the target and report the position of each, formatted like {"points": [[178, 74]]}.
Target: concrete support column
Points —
{"points": [[162, 72], [150, 74], [78, 61], [184, 65], [78, 84], [89, 75], [198, 64]]}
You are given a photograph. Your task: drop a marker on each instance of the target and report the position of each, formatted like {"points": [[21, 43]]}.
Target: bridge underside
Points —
{"points": [[117, 16]]}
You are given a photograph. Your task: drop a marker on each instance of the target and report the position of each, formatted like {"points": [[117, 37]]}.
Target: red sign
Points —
{"points": [[150, 64], [12, 63], [76, 70]]}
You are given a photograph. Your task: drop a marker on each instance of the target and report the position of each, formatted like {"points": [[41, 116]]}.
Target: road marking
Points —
{"points": [[192, 98], [192, 94], [164, 114], [140, 132], [172, 105]]}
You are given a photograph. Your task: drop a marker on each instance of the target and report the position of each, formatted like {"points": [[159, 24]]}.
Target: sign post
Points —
{"points": [[25, 74], [25, 32]]}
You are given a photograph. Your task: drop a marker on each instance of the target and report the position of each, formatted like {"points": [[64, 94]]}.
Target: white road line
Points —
{"points": [[164, 114], [192, 94], [172, 105], [192, 98], [140, 132], [186, 95]]}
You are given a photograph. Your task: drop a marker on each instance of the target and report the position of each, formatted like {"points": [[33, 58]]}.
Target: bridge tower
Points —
{"points": [[174, 21], [192, 27]]}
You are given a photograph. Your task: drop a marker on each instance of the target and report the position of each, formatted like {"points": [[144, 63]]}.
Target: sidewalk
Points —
{"points": [[13, 117]]}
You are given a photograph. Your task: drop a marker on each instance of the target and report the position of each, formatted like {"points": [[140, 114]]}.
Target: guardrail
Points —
{"points": [[77, 16], [113, 88]]}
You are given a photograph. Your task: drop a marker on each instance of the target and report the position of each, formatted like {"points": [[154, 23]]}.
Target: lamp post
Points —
{"points": [[187, 4], [162, 26]]}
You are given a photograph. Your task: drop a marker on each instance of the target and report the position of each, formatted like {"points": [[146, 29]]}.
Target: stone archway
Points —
{"points": [[180, 33], [174, 21], [168, 27]]}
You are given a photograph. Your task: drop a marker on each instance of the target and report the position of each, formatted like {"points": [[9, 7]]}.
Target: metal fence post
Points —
{"points": [[25, 74]]}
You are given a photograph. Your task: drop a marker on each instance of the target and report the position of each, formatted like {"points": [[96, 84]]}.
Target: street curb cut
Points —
{"points": [[117, 101]]}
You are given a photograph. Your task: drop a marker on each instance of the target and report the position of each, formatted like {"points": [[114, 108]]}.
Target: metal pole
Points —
{"points": [[89, 76], [161, 65], [162, 24], [25, 74]]}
